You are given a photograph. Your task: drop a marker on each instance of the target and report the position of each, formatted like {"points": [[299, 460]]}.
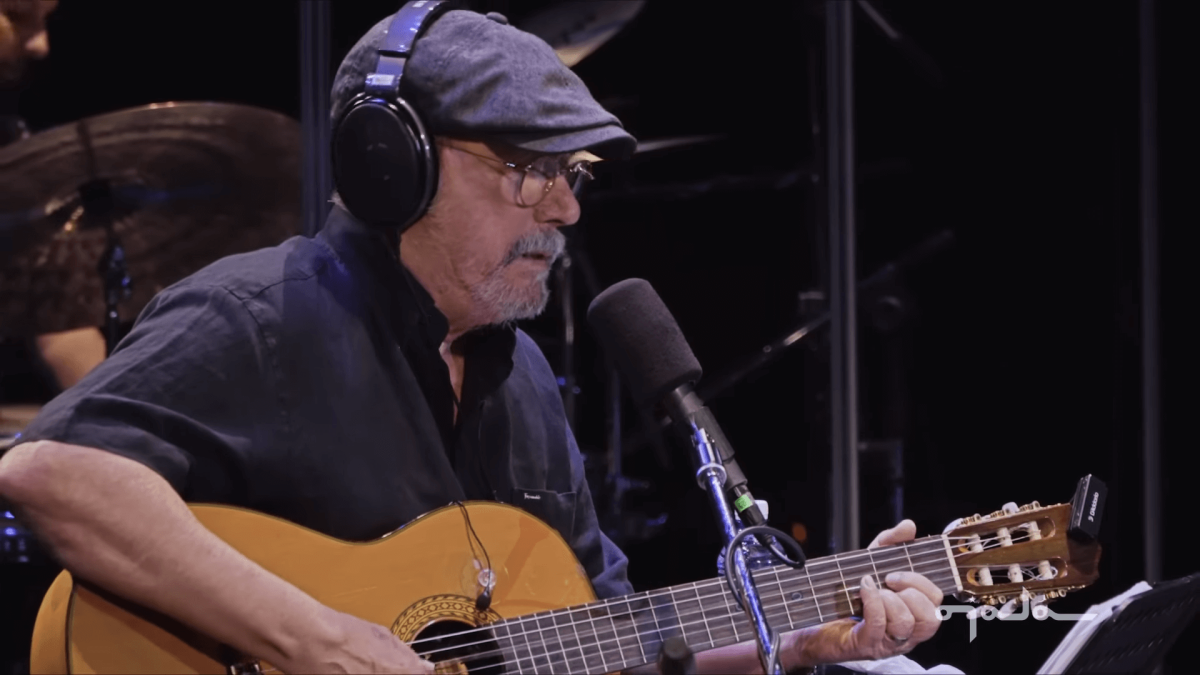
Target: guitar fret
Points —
{"points": [[829, 581], [628, 647], [878, 579], [597, 652], [726, 615], [911, 568], [636, 630], [568, 636], [545, 649], [654, 637], [558, 648], [845, 585], [816, 598], [666, 618], [693, 619], [784, 599], [525, 651], [509, 654]]}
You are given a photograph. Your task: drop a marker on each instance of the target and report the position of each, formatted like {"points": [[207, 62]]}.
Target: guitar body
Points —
{"points": [[420, 580]]}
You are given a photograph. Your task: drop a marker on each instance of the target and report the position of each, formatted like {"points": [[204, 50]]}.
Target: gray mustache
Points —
{"points": [[550, 243]]}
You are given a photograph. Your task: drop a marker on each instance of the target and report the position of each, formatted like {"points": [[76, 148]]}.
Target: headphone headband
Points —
{"points": [[408, 24], [384, 161]]}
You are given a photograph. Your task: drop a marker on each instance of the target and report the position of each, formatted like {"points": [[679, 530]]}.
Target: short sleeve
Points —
{"points": [[190, 393]]}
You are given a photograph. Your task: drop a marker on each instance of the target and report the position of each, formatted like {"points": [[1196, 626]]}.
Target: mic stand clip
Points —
{"points": [[711, 477]]}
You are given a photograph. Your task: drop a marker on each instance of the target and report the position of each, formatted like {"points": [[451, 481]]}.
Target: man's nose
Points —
{"points": [[560, 206], [38, 46]]}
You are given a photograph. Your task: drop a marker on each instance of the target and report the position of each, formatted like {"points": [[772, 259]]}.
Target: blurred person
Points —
{"points": [[69, 355]]}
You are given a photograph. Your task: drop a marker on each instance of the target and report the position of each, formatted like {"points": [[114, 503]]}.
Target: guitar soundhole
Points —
{"points": [[473, 650]]}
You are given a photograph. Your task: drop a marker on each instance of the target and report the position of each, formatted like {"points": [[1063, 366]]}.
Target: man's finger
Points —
{"points": [[926, 619], [898, 581], [900, 621], [869, 632], [905, 530]]}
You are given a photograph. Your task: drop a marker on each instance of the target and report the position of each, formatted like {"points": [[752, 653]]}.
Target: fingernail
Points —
{"points": [[893, 578], [868, 582]]}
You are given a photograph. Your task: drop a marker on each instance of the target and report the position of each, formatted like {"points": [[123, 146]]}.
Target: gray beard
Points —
{"points": [[507, 303]]}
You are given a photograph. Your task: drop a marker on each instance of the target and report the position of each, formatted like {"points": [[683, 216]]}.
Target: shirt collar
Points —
{"points": [[403, 303], [393, 292]]}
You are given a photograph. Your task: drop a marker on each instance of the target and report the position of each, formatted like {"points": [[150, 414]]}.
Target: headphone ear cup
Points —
{"points": [[384, 164]]}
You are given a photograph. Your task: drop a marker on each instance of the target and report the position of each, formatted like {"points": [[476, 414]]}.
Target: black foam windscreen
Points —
{"points": [[637, 330]]}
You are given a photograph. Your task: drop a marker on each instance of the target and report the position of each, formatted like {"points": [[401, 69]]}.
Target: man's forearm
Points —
{"points": [[119, 525]]}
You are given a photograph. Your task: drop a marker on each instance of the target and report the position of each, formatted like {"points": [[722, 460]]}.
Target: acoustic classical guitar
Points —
{"points": [[423, 580]]}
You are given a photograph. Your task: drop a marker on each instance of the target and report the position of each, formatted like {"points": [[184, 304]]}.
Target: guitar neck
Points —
{"points": [[621, 633]]}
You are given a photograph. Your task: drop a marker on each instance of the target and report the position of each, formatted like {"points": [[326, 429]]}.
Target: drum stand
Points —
{"points": [[98, 204]]}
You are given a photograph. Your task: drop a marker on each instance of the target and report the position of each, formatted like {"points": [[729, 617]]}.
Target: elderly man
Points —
{"points": [[351, 382]]}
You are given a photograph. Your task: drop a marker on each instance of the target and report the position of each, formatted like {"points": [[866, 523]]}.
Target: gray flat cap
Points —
{"points": [[475, 76]]}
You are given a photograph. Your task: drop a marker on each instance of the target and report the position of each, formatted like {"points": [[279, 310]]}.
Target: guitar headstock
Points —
{"points": [[1021, 553]]}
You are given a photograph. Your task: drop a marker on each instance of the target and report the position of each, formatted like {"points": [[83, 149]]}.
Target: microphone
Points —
{"points": [[637, 330]]}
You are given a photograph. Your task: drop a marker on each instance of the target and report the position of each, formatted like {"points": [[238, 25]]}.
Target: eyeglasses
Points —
{"points": [[538, 178]]}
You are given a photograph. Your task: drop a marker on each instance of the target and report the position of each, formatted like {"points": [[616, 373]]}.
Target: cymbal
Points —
{"points": [[577, 28], [676, 142], [181, 184]]}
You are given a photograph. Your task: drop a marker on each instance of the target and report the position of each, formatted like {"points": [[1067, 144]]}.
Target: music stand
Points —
{"points": [[1138, 634]]}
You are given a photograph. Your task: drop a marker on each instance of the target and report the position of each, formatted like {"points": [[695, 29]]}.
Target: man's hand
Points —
{"points": [[358, 646], [896, 618]]}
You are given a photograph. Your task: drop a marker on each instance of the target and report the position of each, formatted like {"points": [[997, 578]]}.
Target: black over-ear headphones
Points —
{"points": [[385, 165]]}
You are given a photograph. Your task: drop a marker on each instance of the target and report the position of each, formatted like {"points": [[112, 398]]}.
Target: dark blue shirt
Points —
{"points": [[304, 381]]}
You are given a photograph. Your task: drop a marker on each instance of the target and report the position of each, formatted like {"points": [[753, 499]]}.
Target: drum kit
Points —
{"points": [[98, 216]]}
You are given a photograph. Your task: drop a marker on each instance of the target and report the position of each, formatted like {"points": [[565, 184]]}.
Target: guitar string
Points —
{"points": [[563, 651], [726, 605], [777, 610], [701, 585], [939, 540], [770, 606], [539, 630]]}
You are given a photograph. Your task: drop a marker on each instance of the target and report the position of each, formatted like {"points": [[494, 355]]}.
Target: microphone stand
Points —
{"points": [[711, 477], [776, 349]]}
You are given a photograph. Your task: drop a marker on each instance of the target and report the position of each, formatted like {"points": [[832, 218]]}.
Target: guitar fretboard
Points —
{"points": [[621, 633]]}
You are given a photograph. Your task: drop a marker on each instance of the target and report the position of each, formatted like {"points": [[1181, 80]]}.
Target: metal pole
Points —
{"points": [[614, 478], [839, 78], [315, 63], [1151, 430], [567, 296]]}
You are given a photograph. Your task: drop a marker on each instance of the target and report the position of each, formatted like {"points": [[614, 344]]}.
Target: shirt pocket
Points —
{"points": [[556, 509]]}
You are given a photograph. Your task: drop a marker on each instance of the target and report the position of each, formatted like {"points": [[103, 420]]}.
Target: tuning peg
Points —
{"points": [[1007, 608], [1031, 506]]}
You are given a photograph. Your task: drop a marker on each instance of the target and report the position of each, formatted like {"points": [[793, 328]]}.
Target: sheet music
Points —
{"points": [[1082, 631]]}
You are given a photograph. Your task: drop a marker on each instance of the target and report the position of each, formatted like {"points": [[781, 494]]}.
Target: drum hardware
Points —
{"points": [[773, 351], [577, 28]]}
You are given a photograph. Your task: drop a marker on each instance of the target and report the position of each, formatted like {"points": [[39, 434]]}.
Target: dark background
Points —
{"points": [[1012, 366]]}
